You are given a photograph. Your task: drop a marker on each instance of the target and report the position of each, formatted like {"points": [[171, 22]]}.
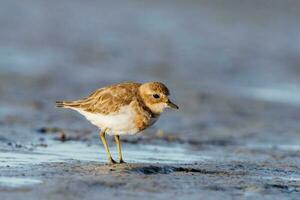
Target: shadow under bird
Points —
{"points": [[122, 109]]}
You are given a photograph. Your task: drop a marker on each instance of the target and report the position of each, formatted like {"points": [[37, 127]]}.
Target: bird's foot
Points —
{"points": [[122, 161], [111, 161]]}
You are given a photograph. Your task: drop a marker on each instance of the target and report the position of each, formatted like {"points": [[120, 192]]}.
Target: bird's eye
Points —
{"points": [[156, 96]]}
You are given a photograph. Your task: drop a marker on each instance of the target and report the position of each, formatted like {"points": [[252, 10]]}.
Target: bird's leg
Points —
{"points": [[103, 139], [117, 140]]}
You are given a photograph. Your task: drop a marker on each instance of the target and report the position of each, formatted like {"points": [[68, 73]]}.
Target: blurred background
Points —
{"points": [[232, 66], [207, 52]]}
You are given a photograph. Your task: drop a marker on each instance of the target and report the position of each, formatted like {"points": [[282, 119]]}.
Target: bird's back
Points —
{"points": [[105, 100]]}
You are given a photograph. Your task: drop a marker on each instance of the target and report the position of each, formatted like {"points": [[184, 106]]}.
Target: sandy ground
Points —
{"points": [[232, 67]]}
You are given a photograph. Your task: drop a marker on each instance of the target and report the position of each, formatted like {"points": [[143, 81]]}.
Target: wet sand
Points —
{"points": [[232, 67]]}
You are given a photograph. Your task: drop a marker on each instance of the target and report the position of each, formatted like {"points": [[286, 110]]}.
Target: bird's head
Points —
{"points": [[156, 97]]}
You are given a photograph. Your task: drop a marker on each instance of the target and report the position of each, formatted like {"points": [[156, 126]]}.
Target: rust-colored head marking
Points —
{"points": [[155, 96]]}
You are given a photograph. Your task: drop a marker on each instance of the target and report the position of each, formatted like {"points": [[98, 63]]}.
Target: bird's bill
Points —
{"points": [[172, 105]]}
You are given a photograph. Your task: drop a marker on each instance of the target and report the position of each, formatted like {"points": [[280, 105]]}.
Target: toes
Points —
{"points": [[122, 161], [112, 161]]}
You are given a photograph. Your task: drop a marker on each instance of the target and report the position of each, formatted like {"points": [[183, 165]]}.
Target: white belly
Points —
{"points": [[118, 123]]}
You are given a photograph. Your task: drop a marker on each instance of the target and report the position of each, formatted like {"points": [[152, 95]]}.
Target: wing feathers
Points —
{"points": [[105, 100]]}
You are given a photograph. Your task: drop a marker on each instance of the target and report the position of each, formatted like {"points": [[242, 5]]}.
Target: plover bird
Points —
{"points": [[122, 109]]}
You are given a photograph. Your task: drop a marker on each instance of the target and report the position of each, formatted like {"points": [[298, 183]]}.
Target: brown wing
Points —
{"points": [[106, 100]]}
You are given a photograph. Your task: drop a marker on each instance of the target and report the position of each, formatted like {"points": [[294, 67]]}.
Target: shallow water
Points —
{"points": [[66, 151], [283, 93], [15, 182], [267, 146]]}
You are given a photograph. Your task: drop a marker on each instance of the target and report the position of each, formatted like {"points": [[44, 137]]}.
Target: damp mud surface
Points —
{"points": [[231, 66]]}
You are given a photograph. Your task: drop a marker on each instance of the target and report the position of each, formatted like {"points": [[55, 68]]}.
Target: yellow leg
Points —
{"points": [[117, 140], [103, 139]]}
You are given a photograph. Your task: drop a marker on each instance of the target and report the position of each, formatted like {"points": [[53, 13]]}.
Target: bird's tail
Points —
{"points": [[66, 104], [60, 104]]}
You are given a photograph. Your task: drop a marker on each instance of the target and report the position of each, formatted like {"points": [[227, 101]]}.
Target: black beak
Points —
{"points": [[172, 105]]}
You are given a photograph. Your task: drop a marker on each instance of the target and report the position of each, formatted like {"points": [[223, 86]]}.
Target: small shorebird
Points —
{"points": [[122, 109]]}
